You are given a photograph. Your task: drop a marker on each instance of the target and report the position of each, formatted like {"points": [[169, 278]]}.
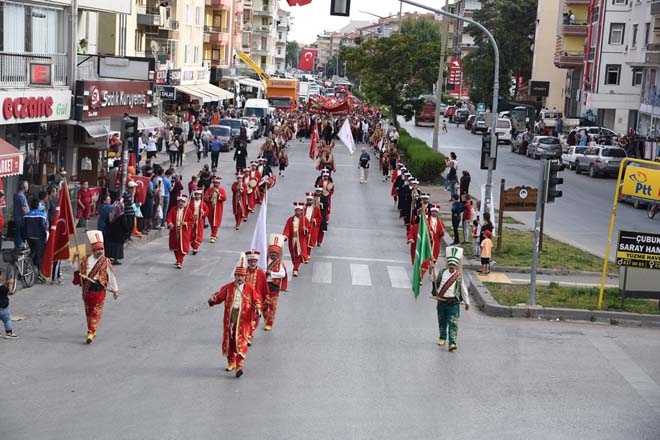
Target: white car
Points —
{"points": [[503, 130], [569, 157]]}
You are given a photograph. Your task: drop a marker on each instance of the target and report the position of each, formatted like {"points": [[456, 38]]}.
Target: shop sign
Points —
{"points": [[34, 105], [174, 77], [520, 198], [642, 183], [193, 75], [167, 93], [103, 99], [638, 249], [160, 77], [539, 88]]}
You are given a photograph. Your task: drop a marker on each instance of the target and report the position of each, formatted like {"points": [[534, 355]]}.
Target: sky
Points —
{"points": [[312, 19]]}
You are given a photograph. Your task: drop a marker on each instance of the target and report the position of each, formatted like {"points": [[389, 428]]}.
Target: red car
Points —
{"points": [[449, 112]]}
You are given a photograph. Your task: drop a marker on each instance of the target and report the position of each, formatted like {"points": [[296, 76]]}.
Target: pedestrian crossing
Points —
{"points": [[372, 274]]}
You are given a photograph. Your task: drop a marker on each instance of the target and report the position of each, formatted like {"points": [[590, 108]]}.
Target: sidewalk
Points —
{"points": [[521, 275]]}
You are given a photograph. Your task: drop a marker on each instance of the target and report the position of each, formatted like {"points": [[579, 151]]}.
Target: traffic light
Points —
{"points": [[551, 181], [129, 133]]}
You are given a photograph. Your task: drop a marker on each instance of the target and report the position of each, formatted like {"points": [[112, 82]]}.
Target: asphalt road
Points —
{"points": [[581, 217], [351, 356]]}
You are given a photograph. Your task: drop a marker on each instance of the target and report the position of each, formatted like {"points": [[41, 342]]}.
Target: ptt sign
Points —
{"points": [[643, 183]]}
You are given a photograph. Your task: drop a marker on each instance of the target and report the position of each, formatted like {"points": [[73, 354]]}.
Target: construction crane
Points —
{"points": [[252, 65]]}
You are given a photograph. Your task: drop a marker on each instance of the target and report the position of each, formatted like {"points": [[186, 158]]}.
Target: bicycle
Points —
{"points": [[652, 209], [19, 265]]}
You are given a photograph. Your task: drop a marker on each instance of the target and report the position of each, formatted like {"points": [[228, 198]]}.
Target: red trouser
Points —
{"points": [[319, 240], [94, 301], [179, 256], [297, 261], [214, 231], [270, 308], [233, 358], [239, 219]]}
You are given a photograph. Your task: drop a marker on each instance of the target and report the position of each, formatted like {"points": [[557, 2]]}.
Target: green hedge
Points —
{"points": [[424, 163]]}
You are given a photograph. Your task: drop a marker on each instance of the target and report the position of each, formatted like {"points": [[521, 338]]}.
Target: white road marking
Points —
{"points": [[398, 277], [360, 275], [322, 273]]}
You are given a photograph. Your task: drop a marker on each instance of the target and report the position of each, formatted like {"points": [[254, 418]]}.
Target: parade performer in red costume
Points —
{"points": [[328, 189], [215, 198], [239, 200], [257, 278], [179, 222], [241, 304], [199, 213], [96, 276], [312, 213], [296, 230], [277, 278], [253, 177]]}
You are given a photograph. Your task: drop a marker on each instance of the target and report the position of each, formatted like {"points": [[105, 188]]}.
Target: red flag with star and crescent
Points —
{"points": [[298, 2], [141, 189], [307, 59], [57, 245]]}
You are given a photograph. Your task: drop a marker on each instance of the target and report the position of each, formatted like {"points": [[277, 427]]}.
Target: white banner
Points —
{"points": [[346, 136], [259, 236]]}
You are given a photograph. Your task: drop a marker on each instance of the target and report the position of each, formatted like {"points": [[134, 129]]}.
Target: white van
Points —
{"points": [[256, 108], [503, 130]]}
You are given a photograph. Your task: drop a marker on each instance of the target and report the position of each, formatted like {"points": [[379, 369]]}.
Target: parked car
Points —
{"points": [[594, 133], [503, 130], [235, 124], [599, 160], [518, 144], [547, 147], [479, 124], [225, 134], [461, 116], [469, 122], [573, 153]]}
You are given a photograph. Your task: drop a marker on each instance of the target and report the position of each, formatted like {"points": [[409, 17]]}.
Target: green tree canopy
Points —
{"points": [[394, 70], [292, 54], [512, 23]]}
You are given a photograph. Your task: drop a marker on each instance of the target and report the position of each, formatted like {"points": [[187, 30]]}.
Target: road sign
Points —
{"points": [[642, 183], [519, 198], [638, 249], [481, 107]]}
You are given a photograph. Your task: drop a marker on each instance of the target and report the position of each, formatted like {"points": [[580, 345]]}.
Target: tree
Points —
{"points": [[292, 54], [394, 71], [513, 41]]}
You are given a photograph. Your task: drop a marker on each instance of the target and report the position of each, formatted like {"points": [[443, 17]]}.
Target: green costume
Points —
{"points": [[449, 309]]}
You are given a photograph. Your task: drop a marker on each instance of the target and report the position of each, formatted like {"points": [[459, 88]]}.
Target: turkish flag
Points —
{"points": [[141, 189], [57, 246], [307, 59], [298, 2]]}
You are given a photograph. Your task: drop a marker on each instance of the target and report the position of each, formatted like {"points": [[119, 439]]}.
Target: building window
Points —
{"points": [[617, 31], [198, 16], [634, 35], [612, 74], [186, 16], [619, 2], [196, 54], [647, 33], [139, 40], [637, 76], [185, 54]]}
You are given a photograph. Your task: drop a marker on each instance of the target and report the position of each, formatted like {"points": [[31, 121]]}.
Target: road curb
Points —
{"points": [[482, 298]]}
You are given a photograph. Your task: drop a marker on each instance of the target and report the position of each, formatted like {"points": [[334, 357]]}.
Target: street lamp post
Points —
{"points": [[496, 90]]}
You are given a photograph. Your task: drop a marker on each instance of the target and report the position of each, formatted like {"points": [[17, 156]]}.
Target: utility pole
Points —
{"points": [[400, 15], [440, 81]]}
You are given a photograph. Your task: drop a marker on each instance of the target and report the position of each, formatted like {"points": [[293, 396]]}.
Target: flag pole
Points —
{"points": [[73, 222]]}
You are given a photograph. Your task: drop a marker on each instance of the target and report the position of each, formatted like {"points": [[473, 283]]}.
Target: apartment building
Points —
{"points": [[543, 67], [462, 43], [281, 37], [649, 107]]}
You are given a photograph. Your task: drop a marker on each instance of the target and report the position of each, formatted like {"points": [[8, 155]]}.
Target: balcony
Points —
{"points": [[265, 11], [652, 55], [569, 60], [281, 25], [579, 29], [247, 4], [14, 68], [280, 42], [216, 36], [261, 29], [577, 2], [222, 4], [655, 8], [259, 50], [170, 25]]}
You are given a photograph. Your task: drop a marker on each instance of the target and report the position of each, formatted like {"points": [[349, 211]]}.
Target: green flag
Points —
{"points": [[423, 252]]}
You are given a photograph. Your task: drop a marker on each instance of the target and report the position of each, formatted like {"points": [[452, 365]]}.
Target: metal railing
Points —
{"points": [[14, 68], [210, 29]]}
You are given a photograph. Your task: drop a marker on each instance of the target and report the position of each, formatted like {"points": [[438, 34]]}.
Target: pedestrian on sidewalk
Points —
{"points": [[84, 202], [457, 208], [486, 252], [95, 276], [241, 305], [476, 247], [444, 126], [451, 179], [448, 291], [179, 152], [215, 146], [172, 149], [34, 230], [464, 186], [199, 146], [467, 219], [364, 165], [5, 314]]}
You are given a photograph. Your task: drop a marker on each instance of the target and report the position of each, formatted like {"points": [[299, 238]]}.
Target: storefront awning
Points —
{"points": [[149, 122], [251, 82], [205, 92], [212, 90], [11, 159], [97, 129], [196, 92]]}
